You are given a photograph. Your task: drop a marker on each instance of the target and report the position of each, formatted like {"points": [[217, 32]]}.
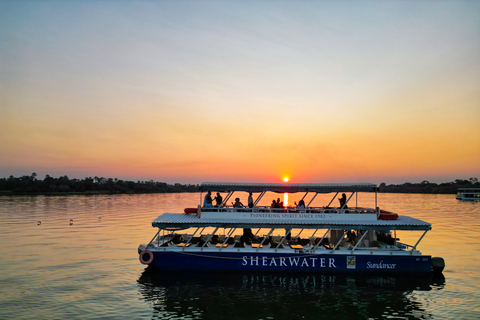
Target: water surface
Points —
{"points": [[75, 257]]}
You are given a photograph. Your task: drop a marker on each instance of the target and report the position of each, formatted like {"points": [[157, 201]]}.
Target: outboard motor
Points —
{"points": [[438, 264]]}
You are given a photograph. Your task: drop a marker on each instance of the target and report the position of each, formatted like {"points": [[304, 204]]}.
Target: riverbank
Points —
{"points": [[30, 185]]}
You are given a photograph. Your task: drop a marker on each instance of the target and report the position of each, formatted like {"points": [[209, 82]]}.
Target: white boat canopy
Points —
{"points": [[288, 187]]}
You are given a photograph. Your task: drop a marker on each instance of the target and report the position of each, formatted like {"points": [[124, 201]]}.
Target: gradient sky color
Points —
{"points": [[192, 91]]}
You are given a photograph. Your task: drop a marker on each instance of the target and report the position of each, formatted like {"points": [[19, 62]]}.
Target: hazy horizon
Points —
{"points": [[186, 181]]}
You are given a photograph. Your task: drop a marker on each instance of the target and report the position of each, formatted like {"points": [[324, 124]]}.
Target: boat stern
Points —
{"points": [[142, 248]]}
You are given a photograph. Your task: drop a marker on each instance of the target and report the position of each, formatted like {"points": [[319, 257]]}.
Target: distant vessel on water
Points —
{"points": [[350, 239], [468, 194]]}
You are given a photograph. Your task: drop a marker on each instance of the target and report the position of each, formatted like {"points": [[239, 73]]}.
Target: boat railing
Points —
{"points": [[266, 209]]}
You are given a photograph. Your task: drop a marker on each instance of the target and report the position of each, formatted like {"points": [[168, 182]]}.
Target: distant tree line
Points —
{"points": [[64, 185], [428, 187]]}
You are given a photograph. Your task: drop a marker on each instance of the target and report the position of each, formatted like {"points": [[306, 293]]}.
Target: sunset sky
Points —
{"points": [[192, 91]]}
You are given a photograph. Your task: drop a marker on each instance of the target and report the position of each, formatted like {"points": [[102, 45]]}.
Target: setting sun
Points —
{"points": [[285, 179]]}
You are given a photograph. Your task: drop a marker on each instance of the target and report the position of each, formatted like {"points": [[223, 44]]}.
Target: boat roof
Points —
{"points": [[288, 187], [173, 221]]}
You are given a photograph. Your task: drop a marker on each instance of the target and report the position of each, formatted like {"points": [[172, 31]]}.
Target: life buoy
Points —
{"points": [[387, 215], [190, 210], [146, 257]]}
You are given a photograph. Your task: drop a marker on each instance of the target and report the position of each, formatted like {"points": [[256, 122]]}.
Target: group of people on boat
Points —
{"points": [[238, 204], [208, 202]]}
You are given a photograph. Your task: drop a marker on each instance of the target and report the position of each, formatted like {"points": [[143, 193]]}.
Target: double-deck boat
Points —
{"points": [[468, 194], [348, 238]]}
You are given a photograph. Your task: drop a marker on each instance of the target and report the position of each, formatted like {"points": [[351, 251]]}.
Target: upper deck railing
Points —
{"points": [[263, 209], [288, 187]]}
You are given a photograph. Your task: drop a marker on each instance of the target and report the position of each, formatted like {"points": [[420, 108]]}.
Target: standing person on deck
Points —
{"points": [[250, 200], [218, 199], [207, 202], [343, 200]]}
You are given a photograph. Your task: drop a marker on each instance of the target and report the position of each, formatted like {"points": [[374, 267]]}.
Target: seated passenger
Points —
{"points": [[247, 234], [301, 204], [237, 203], [351, 236]]}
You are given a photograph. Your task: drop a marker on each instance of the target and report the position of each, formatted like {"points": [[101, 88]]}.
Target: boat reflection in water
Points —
{"points": [[237, 295]]}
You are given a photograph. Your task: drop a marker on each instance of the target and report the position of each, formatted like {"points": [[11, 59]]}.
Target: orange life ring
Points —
{"points": [[142, 259]]}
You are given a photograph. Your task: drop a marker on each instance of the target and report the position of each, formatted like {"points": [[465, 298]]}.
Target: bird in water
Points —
{"points": [[71, 221], [39, 223]]}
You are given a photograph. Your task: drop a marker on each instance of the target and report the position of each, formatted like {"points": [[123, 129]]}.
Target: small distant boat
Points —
{"points": [[347, 239], [468, 194]]}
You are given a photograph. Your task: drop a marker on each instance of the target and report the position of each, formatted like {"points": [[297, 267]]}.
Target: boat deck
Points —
{"points": [[172, 221]]}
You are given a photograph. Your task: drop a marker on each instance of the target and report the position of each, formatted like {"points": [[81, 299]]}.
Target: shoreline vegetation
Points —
{"points": [[31, 185]]}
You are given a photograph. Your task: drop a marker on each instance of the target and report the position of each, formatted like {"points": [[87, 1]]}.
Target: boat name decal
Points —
{"points": [[310, 262], [381, 265], [288, 215]]}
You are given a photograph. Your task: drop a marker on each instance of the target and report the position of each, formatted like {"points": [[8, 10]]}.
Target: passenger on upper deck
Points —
{"points": [[207, 201], [343, 200], [250, 200], [237, 203], [218, 199], [274, 204], [279, 203], [301, 204]]}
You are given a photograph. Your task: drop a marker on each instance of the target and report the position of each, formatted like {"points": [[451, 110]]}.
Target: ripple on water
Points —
{"points": [[88, 267]]}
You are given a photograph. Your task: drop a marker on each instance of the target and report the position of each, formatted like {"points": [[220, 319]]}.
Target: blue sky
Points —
{"points": [[242, 90]]}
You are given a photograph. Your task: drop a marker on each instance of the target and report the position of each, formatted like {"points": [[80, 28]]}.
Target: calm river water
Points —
{"points": [[75, 257]]}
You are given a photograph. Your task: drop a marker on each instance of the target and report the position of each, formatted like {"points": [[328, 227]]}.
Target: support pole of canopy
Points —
{"points": [[336, 245], [259, 198], [308, 205], [283, 239], [156, 234], [265, 238], [228, 237], [416, 244], [227, 197], [304, 195], [210, 237], [359, 241], [347, 201], [316, 246], [336, 194], [298, 235], [193, 235]]}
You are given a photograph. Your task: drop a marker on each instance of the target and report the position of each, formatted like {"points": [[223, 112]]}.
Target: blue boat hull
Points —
{"points": [[298, 262]]}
